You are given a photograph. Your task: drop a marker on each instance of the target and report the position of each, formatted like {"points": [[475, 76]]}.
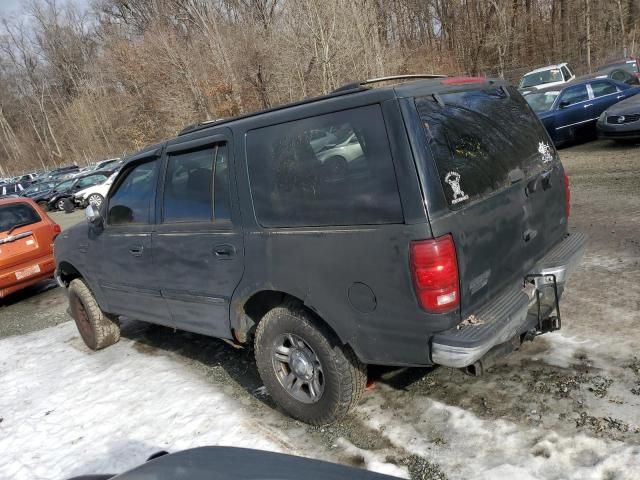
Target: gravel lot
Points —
{"points": [[567, 401]]}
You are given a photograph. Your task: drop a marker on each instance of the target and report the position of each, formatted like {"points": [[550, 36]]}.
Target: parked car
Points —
{"points": [[56, 197], [236, 229], [38, 188], [229, 463], [614, 73], [94, 194], [570, 113], [630, 64], [9, 189], [549, 76], [26, 243], [621, 121]]}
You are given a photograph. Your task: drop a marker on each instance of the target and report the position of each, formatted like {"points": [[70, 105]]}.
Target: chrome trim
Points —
{"points": [[13, 238], [577, 123]]}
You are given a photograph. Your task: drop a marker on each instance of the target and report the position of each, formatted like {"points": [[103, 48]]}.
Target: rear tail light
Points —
{"points": [[56, 230], [434, 268], [567, 196]]}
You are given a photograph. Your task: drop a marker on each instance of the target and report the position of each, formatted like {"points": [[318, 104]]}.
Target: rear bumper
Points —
{"points": [[512, 313], [9, 283]]}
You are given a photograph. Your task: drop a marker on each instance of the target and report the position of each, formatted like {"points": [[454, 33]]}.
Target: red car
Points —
{"points": [[26, 244]]}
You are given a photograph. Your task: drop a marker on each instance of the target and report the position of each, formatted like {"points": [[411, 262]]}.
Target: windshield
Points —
{"points": [[17, 214], [39, 187], [64, 185], [540, 78], [541, 102]]}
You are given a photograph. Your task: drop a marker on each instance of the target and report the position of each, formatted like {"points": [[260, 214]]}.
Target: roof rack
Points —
{"points": [[358, 85]]}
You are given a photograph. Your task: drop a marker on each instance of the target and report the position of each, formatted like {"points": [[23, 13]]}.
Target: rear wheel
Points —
{"points": [[305, 368], [97, 329]]}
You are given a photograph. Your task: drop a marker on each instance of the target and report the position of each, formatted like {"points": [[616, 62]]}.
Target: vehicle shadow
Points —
{"points": [[221, 362], [29, 293], [216, 359]]}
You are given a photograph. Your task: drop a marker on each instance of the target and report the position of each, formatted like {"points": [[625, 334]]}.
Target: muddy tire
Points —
{"points": [[97, 329], [305, 368]]}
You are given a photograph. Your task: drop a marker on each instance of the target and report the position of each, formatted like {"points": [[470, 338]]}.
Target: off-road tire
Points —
{"points": [[345, 377], [97, 328]]}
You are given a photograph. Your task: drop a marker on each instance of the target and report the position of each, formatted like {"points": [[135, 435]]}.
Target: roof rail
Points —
{"points": [[355, 85]]}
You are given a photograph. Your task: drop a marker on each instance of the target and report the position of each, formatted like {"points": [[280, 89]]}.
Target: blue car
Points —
{"points": [[569, 112]]}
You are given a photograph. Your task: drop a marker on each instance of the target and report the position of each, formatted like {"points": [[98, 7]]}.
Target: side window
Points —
{"points": [[347, 178], [566, 74], [574, 95], [131, 202], [91, 180], [619, 75], [603, 88], [187, 188]]}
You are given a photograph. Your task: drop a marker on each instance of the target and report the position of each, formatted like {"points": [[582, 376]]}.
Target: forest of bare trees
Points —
{"points": [[83, 84]]}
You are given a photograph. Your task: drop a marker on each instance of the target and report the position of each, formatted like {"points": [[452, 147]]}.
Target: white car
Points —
{"points": [[544, 77], [94, 195]]}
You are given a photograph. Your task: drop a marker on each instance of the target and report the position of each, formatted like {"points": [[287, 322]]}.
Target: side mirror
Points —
{"points": [[93, 214], [564, 104]]}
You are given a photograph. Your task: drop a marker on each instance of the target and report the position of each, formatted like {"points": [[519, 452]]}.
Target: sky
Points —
{"points": [[13, 7]]}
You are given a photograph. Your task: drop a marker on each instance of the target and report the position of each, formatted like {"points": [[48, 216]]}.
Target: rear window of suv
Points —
{"points": [[482, 140], [333, 169]]}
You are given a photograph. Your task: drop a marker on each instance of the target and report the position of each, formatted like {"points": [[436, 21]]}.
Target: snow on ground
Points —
{"points": [[68, 411]]}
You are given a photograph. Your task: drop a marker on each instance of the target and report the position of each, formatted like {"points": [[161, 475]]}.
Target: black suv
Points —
{"points": [[414, 224]]}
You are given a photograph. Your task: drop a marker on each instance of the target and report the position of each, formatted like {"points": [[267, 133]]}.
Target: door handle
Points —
{"points": [[136, 250], [224, 251], [588, 105], [620, 96]]}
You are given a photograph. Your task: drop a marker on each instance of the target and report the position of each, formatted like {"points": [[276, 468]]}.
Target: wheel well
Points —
{"points": [[259, 304], [68, 272]]}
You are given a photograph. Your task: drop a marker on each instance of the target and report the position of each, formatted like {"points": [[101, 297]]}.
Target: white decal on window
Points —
{"points": [[545, 150], [453, 179]]}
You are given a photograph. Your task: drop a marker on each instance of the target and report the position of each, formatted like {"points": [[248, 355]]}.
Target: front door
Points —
{"points": [[122, 249], [198, 245], [574, 112]]}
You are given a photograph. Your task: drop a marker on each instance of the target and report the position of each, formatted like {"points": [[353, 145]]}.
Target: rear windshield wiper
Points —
{"points": [[18, 225]]}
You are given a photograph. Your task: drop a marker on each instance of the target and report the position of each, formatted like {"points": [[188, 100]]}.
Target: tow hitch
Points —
{"points": [[553, 322]]}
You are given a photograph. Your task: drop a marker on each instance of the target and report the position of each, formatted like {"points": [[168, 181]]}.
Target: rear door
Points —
{"points": [[198, 245], [502, 183], [605, 94], [574, 109]]}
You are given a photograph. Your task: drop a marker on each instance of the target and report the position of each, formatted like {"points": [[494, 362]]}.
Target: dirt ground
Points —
{"points": [[582, 382]]}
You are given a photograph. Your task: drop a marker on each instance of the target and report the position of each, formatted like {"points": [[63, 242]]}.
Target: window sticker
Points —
{"points": [[545, 150], [453, 179]]}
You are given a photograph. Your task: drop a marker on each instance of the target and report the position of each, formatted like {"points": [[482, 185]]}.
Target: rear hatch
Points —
{"points": [[24, 236], [501, 186]]}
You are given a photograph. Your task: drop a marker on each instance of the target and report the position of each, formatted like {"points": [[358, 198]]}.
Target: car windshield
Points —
{"points": [[64, 185], [17, 214], [540, 78], [541, 102], [39, 187]]}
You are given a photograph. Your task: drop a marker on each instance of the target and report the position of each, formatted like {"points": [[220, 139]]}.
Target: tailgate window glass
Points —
{"points": [[16, 215], [482, 141], [333, 169]]}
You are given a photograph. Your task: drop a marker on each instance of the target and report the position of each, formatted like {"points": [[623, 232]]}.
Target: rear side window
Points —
{"points": [[333, 169], [17, 214], [131, 202], [481, 140], [601, 89]]}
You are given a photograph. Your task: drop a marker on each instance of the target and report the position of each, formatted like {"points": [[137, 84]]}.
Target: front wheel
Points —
{"points": [[60, 204], [305, 368], [95, 199], [97, 328]]}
